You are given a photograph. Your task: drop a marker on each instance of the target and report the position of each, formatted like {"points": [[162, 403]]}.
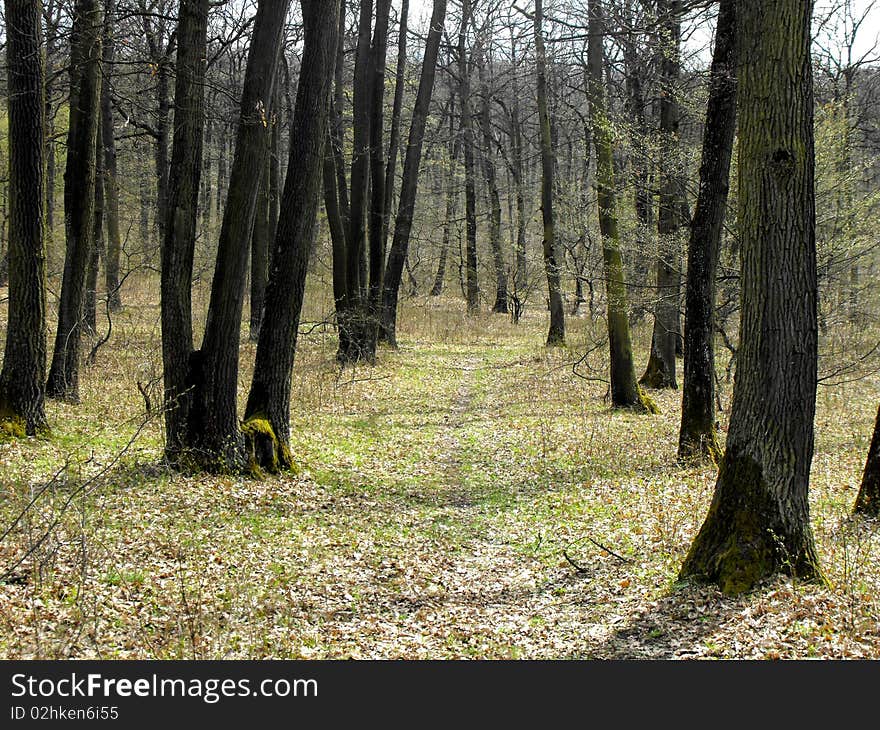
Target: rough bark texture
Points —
{"points": [[24, 360], [556, 334], [698, 436], [759, 521], [269, 398], [625, 392], [868, 499], [180, 230], [409, 186], [79, 196], [660, 371], [214, 435]]}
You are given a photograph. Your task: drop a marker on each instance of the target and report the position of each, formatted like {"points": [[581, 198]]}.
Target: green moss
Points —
{"points": [[648, 403]]}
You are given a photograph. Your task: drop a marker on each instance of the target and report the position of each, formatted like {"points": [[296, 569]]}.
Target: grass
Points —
{"points": [[468, 497]]}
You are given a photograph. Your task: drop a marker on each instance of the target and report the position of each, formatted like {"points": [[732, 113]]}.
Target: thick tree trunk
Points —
{"points": [[79, 196], [556, 334], [868, 499], [267, 415], [24, 359], [625, 391], [180, 229], [697, 436], [470, 190], [214, 435], [409, 186], [111, 185], [163, 105], [759, 520], [660, 371]]}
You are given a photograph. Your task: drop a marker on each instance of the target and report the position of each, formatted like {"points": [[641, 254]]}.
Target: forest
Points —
{"points": [[439, 329]]}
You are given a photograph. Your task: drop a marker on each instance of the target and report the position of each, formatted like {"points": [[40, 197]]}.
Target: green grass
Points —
{"points": [[459, 499]]}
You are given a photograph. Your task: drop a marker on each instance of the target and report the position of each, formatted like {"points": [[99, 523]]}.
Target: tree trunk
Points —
{"points": [[111, 185], [868, 499], [759, 520], [24, 359], [491, 175], [180, 229], [697, 435], [660, 371], [335, 183], [214, 435], [79, 196], [556, 334], [267, 415], [378, 223], [353, 317], [470, 191], [625, 391], [409, 186]]}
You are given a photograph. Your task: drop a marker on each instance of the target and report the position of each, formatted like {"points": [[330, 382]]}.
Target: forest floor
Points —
{"points": [[471, 496]]}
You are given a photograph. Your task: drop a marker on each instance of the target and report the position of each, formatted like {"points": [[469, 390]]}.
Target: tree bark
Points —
{"points": [[698, 436], [409, 186], [260, 243], [660, 371], [470, 191], [268, 402], [625, 391], [90, 305], [759, 520], [378, 223], [352, 315], [491, 175], [556, 334], [111, 185], [214, 436], [180, 230], [79, 196], [22, 377]]}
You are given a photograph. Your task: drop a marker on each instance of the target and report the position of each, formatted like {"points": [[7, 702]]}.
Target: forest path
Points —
{"points": [[461, 498]]}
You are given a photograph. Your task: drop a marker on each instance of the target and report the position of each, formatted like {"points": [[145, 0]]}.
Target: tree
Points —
{"points": [[625, 391], [697, 435], [24, 359], [467, 136], [868, 499], [267, 414], [79, 195], [556, 335], [214, 438], [409, 186], [660, 371], [759, 522], [111, 173], [180, 229]]}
